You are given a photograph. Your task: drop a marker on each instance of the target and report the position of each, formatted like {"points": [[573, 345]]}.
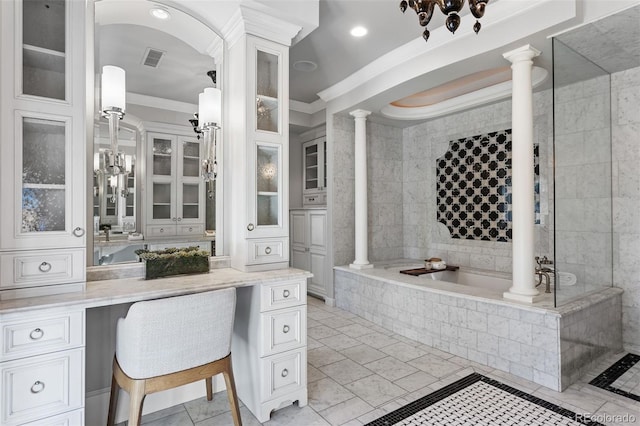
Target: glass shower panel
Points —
{"points": [[43, 175], [582, 175]]}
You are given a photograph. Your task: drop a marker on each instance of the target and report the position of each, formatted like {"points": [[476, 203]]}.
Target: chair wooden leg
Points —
{"points": [[231, 393], [135, 404], [209, 383], [113, 401]]}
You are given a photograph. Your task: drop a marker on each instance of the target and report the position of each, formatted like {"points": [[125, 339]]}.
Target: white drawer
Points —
{"points": [[283, 330], [41, 386], [284, 373], [40, 334], [73, 418], [161, 231], [191, 230], [41, 267], [270, 250], [283, 295]]}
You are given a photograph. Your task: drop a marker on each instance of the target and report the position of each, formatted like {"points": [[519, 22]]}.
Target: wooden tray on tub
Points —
{"points": [[421, 271]]}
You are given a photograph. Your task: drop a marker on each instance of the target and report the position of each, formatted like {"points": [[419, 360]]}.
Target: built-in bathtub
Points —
{"points": [[464, 313]]}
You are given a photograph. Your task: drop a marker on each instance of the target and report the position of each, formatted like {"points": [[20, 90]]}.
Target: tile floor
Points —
{"points": [[358, 371]]}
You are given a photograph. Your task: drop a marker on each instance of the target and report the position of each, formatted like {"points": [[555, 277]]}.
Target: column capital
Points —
{"points": [[360, 113], [524, 53]]}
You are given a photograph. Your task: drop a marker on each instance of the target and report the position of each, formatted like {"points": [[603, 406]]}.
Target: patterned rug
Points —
{"points": [[479, 400], [622, 378]]}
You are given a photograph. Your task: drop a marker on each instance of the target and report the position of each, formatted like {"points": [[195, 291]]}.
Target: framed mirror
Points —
{"points": [[168, 58]]}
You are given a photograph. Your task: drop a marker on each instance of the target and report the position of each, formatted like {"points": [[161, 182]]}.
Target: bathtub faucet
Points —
{"points": [[543, 271]]}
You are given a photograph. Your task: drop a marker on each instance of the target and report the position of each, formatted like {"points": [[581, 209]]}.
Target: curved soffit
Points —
{"points": [[466, 92]]}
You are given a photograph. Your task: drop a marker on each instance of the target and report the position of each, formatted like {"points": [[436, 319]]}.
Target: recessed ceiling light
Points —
{"points": [[160, 13], [306, 66], [359, 31]]}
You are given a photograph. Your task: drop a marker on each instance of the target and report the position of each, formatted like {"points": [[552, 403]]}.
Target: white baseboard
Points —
{"points": [[97, 402], [330, 301]]}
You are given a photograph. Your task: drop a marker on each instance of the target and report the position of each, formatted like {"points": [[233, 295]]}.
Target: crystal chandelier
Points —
{"points": [[451, 8]]}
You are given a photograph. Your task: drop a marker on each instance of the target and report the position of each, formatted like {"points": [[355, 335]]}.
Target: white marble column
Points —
{"points": [[522, 202], [362, 260]]}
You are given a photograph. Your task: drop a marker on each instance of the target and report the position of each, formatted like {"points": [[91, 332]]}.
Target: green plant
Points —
{"points": [[174, 261]]}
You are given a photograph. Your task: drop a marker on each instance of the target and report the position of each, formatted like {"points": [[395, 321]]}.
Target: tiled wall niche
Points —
{"points": [[473, 185]]}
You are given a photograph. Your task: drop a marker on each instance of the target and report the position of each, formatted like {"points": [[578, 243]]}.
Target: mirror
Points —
{"points": [[167, 64]]}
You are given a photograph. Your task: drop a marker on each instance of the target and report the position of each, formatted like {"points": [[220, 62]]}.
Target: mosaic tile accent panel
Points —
{"points": [[474, 187], [622, 378], [494, 403]]}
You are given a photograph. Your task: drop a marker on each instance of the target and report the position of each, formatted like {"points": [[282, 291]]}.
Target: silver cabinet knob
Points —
{"points": [[44, 267], [78, 232], [285, 329], [161, 230], [250, 227], [286, 293], [285, 373], [179, 219], [38, 386], [267, 250], [36, 334], [190, 229]]}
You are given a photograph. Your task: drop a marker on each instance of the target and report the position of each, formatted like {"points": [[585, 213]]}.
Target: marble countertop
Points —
{"points": [[126, 290]]}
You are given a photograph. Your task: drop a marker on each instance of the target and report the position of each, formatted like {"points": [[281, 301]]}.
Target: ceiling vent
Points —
{"points": [[152, 57]]}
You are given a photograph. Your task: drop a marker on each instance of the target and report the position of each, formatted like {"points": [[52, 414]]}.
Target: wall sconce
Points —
{"points": [[112, 108], [209, 118]]}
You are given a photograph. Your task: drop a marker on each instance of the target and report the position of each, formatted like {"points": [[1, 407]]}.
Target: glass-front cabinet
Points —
{"points": [[175, 189], [314, 171]]}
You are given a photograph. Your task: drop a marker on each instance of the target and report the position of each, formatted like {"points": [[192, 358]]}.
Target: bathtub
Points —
{"points": [[464, 313]]}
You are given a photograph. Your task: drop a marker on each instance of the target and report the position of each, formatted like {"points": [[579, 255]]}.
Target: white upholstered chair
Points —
{"points": [[165, 343]]}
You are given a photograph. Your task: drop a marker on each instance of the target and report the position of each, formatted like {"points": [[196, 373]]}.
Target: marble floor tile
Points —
{"points": [[354, 330], [375, 390], [377, 340], [314, 374], [313, 323], [313, 343], [296, 416], [345, 371], [434, 366], [391, 368], [321, 331], [177, 419], [379, 412], [325, 393], [335, 322], [225, 419], [200, 409], [339, 342], [148, 418], [415, 381], [618, 415], [346, 411], [323, 356], [363, 354], [403, 351], [318, 314], [585, 403]]}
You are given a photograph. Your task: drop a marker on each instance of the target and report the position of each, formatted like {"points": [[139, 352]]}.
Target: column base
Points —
{"points": [[361, 266], [522, 297]]}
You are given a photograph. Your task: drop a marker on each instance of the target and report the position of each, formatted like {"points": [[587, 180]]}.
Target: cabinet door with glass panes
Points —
{"points": [[42, 125], [314, 167], [175, 190]]}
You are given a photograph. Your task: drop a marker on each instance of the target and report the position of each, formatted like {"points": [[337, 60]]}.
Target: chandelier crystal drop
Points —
{"points": [[424, 9]]}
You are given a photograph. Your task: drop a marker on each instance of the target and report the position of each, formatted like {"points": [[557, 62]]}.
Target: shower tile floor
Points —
{"points": [[622, 378], [359, 371]]}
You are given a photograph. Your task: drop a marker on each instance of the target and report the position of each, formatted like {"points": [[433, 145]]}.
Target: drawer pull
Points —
{"points": [[78, 232], [284, 373], [267, 250], [285, 329], [44, 267], [36, 334], [179, 219], [161, 230], [286, 293], [191, 229], [38, 387]]}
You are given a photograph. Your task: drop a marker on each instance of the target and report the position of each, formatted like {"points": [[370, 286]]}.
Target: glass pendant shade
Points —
{"points": [[209, 106], [113, 88]]}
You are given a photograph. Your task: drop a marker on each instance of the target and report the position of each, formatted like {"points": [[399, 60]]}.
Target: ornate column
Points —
{"points": [[522, 202], [361, 261]]}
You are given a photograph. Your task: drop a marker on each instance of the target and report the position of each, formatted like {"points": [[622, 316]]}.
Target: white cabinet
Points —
{"points": [[175, 190], [42, 368], [42, 134], [309, 246], [269, 347], [259, 153], [314, 171]]}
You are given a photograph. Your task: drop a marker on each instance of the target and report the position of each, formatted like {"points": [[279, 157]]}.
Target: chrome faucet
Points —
{"points": [[543, 271]]}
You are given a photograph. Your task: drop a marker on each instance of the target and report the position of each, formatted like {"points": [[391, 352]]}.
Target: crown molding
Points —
{"points": [[415, 58], [312, 108], [462, 102], [161, 103], [254, 22]]}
